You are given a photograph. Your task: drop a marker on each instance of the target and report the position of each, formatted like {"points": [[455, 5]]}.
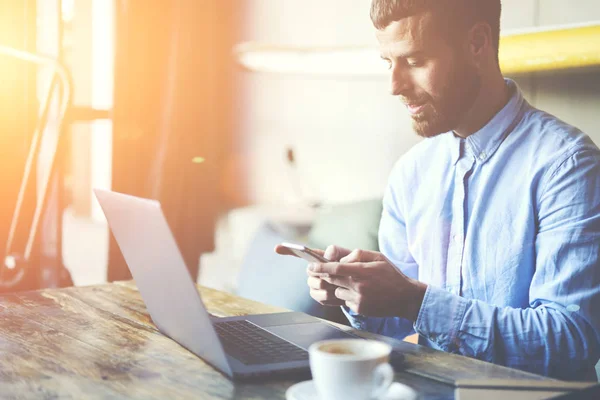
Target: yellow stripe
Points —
{"points": [[551, 50]]}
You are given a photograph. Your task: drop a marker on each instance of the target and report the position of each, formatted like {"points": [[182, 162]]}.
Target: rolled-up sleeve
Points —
{"points": [[558, 334]]}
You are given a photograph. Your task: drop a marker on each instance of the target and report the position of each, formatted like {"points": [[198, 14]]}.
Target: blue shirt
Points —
{"points": [[504, 227]]}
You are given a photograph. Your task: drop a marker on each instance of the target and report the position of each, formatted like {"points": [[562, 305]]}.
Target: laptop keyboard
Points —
{"points": [[253, 345]]}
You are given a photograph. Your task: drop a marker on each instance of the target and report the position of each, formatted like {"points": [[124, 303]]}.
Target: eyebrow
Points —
{"points": [[406, 55]]}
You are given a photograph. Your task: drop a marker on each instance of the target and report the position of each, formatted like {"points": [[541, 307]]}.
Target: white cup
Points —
{"points": [[351, 369]]}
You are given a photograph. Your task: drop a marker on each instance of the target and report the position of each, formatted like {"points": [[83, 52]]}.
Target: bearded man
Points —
{"points": [[490, 233]]}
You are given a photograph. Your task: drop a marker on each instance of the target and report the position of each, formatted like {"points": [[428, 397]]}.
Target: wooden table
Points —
{"points": [[98, 342]]}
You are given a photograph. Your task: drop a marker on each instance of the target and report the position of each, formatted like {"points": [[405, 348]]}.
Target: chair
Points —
{"points": [[16, 270]]}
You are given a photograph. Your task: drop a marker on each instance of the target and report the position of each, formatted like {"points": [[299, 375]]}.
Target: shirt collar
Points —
{"points": [[456, 147], [484, 143]]}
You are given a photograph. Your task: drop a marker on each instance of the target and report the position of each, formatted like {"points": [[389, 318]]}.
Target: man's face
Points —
{"points": [[434, 80]]}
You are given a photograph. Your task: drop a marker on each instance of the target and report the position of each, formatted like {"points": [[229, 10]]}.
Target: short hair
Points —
{"points": [[457, 15]]}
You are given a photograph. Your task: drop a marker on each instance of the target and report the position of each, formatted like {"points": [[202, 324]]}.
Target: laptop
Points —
{"points": [[244, 347]]}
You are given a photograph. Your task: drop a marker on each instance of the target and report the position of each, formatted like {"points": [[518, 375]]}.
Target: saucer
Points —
{"points": [[307, 391]]}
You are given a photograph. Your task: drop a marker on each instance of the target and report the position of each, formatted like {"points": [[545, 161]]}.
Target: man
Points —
{"points": [[490, 233]]}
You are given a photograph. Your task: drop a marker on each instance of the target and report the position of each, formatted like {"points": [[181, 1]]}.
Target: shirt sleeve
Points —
{"points": [[558, 334], [393, 244]]}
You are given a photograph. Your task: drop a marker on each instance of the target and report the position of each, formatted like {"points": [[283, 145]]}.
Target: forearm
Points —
{"points": [[545, 340]]}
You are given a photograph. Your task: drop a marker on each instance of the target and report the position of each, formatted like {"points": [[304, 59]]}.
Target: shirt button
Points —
{"points": [[482, 156], [456, 238]]}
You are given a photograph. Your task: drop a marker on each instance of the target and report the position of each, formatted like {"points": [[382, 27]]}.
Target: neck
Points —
{"points": [[492, 97]]}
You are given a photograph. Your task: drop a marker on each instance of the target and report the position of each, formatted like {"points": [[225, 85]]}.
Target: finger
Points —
{"points": [[335, 253], [315, 274], [359, 255], [353, 269], [326, 298], [319, 284], [314, 283], [346, 294], [343, 281], [284, 251]]}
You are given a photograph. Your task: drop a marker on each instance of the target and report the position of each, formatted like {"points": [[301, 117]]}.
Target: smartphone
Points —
{"points": [[304, 253]]}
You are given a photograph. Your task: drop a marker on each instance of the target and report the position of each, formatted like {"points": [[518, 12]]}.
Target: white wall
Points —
{"points": [[348, 133]]}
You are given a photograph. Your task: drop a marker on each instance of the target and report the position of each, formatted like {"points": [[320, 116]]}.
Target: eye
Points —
{"points": [[388, 62], [415, 62]]}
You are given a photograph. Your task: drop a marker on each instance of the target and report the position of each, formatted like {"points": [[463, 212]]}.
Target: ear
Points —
{"points": [[480, 42]]}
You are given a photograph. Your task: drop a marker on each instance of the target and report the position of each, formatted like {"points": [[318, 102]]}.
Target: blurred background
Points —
{"points": [[252, 121]]}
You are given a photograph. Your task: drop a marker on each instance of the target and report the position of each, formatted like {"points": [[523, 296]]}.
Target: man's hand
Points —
{"points": [[364, 281], [321, 291], [368, 284]]}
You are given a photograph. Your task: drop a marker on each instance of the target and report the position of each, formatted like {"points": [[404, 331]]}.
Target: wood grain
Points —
{"points": [[99, 342]]}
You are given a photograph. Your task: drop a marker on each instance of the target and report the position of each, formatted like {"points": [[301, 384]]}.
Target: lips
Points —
{"points": [[415, 108]]}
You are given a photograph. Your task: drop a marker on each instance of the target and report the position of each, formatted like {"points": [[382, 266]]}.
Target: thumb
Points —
{"points": [[336, 253], [359, 255]]}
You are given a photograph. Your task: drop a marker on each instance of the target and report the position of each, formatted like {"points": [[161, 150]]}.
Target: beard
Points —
{"points": [[443, 113]]}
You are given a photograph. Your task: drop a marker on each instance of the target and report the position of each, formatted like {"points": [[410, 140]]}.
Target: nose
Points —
{"points": [[400, 81]]}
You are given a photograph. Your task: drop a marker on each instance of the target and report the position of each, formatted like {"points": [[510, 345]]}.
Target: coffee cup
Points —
{"points": [[351, 369]]}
